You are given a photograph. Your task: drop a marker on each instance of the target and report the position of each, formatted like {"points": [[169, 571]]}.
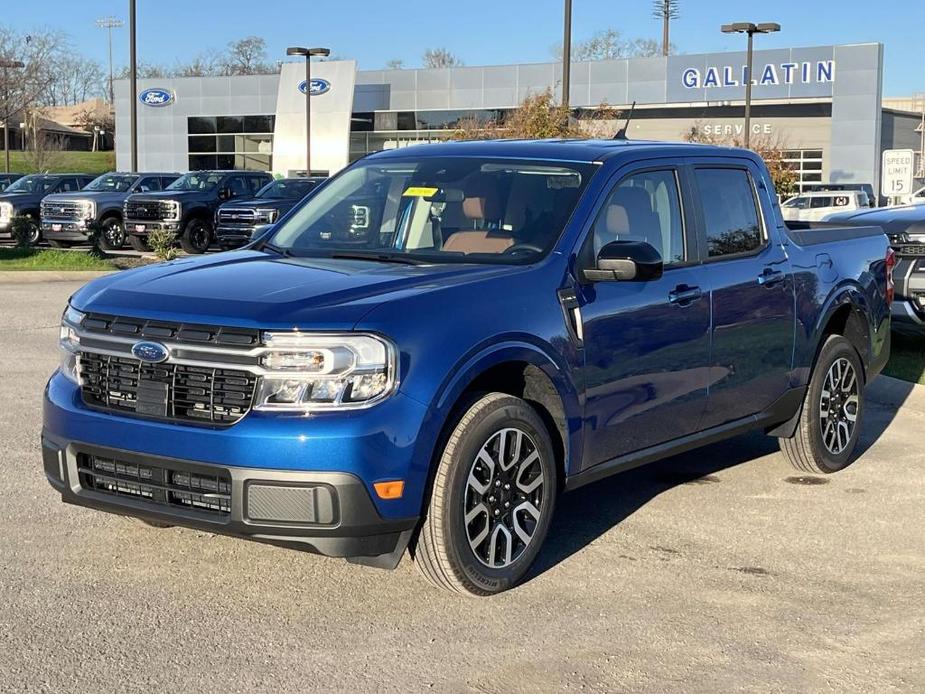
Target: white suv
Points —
{"points": [[816, 206]]}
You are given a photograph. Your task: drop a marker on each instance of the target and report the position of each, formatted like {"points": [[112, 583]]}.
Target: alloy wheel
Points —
{"points": [[115, 234], [839, 404], [504, 498]]}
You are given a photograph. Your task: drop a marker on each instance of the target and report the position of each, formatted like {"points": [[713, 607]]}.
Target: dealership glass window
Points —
{"points": [[807, 164], [231, 142]]}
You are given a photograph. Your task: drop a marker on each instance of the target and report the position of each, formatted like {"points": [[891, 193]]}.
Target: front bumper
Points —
{"points": [[327, 513], [65, 230], [143, 227], [344, 454], [234, 235]]}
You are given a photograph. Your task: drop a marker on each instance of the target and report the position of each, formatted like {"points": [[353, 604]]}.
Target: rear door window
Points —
{"points": [[822, 201], [732, 224]]}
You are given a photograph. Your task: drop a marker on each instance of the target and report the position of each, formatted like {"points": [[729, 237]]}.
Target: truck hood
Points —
{"points": [[180, 195], [19, 198], [262, 203], [97, 195], [263, 290]]}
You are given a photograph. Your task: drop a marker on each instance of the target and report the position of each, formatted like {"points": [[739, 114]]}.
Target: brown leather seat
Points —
{"points": [[480, 210]]}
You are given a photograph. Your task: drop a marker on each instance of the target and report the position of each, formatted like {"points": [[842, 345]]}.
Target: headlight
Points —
{"points": [[175, 213], [917, 238], [324, 372], [265, 216], [6, 211], [87, 209], [69, 342]]}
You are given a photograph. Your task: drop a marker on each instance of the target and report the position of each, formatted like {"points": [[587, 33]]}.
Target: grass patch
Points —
{"points": [[39, 259], [907, 359], [68, 162]]}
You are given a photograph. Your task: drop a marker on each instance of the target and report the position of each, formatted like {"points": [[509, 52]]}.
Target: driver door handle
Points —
{"points": [[769, 277], [683, 295]]}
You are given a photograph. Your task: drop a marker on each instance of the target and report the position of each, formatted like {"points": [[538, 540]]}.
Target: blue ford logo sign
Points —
{"points": [[156, 97], [319, 86], [152, 352]]}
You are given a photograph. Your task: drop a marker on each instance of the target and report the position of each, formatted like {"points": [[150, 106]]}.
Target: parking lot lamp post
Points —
{"points": [[750, 29], [133, 83], [308, 53], [8, 65]]}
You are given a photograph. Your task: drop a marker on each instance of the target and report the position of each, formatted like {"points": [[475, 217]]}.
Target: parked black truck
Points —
{"points": [[23, 198], [67, 218], [236, 221], [187, 206]]}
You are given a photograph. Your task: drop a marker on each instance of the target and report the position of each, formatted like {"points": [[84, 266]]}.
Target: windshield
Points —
{"points": [[438, 210], [113, 183], [196, 180], [31, 184], [287, 188]]}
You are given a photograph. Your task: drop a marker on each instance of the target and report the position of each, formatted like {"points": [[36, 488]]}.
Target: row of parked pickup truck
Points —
{"points": [[200, 208]]}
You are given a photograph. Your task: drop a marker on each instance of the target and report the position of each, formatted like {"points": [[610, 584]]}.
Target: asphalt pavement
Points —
{"points": [[719, 570]]}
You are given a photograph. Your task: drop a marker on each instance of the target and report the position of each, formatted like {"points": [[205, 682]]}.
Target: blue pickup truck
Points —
{"points": [[426, 351]]}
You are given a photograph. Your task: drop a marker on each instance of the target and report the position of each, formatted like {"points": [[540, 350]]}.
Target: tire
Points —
{"points": [[112, 235], [197, 236], [139, 243], [35, 237], [476, 558], [60, 244], [828, 430]]}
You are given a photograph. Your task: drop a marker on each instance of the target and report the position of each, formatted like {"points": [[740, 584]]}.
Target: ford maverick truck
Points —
{"points": [[438, 341], [68, 218], [186, 208]]}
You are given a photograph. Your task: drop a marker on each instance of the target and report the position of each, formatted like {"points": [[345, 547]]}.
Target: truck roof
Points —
{"points": [[555, 149]]}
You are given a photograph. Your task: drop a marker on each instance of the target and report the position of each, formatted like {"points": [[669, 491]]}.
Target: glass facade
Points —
{"points": [[807, 163], [230, 142]]}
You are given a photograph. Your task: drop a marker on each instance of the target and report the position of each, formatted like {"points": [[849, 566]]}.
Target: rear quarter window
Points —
{"points": [[730, 211]]}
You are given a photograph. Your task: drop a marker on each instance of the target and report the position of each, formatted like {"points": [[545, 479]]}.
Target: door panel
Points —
{"points": [[646, 363], [646, 344], [751, 296]]}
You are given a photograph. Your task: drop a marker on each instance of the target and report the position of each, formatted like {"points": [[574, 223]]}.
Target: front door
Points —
{"points": [[646, 343], [751, 293]]}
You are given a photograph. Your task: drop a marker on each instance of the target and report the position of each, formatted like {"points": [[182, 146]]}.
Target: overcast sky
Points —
{"points": [[480, 32]]}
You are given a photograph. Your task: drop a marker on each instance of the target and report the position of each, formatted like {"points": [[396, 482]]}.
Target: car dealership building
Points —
{"points": [[822, 104]]}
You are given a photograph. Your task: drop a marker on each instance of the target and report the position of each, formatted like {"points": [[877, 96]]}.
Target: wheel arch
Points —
{"points": [[846, 313]]}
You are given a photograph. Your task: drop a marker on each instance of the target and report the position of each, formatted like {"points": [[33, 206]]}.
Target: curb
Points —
{"points": [[35, 276], [893, 392]]}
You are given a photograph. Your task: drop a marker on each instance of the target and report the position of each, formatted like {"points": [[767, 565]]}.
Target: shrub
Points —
{"points": [[163, 244]]}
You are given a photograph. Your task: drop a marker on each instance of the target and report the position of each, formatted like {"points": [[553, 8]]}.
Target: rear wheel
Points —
{"points": [[197, 236], [492, 501], [112, 234], [830, 422], [139, 243]]}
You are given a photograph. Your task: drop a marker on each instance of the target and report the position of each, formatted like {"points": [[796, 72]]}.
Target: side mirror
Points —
{"points": [[627, 261]]}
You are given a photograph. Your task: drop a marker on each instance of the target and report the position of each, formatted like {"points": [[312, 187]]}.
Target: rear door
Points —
{"points": [[646, 344], [751, 291]]}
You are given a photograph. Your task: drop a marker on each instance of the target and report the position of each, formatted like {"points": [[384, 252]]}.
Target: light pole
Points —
{"points": [[750, 29], [110, 23], [22, 135], [133, 84], [566, 53], [8, 65], [308, 53]]}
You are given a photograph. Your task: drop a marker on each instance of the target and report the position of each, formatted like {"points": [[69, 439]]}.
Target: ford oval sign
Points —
{"points": [[319, 86], [156, 97], [151, 352]]}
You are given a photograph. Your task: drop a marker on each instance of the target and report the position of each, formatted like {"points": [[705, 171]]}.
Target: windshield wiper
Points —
{"points": [[379, 257], [285, 252]]}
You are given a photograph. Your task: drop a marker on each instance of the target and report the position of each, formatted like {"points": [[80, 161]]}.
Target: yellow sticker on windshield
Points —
{"points": [[419, 192]]}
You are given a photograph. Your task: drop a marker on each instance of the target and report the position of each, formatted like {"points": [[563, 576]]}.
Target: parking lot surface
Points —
{"points": [[718, 570]]}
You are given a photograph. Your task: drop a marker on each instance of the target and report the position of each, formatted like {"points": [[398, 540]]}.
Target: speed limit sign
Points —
{"points": [[896, 173]]}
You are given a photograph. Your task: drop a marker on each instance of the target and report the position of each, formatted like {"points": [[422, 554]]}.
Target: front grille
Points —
{"points": [[237, 217], [160, 484], [909, 250], [149, 210], [67, 210], [195, 394]]}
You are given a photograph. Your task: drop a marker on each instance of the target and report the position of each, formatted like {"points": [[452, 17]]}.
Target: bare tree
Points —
{"points": [[609, 44], [74, 79], [440, 57], [45, 150], [203, 65], [247, 56], [24, 86], [394, 64], [666, 10], [146, 71]]}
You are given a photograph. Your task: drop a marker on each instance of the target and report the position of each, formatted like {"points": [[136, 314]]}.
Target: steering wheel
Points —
{"points": [[522, 248]]}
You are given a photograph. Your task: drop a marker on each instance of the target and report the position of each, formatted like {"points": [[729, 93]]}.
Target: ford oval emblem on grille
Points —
{"points": [[153, 352]]}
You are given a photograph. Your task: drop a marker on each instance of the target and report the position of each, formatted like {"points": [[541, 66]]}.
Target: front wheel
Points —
{"points": [[830, 422], [492, 501], [112, 235], [196, 236]]}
